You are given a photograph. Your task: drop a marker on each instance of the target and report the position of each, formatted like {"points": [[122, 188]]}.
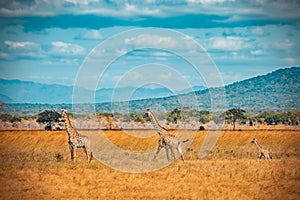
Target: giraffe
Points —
{"points": [[166, 140], [261, 152], [75, 139]]}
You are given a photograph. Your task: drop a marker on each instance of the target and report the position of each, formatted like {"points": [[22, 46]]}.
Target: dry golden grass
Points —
{"points": [[29, 169]]}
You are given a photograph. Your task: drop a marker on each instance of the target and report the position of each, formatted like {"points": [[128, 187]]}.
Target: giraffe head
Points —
{"points": [[253, 141], [63, 112], [147, 113]]}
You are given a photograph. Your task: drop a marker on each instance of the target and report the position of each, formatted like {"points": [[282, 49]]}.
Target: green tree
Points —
{"points": [[48, 116], [217, 117], [234, 114], [9, 118], [204, 116], [105, 114], [274, 118], [136, 117], [174, 115]]}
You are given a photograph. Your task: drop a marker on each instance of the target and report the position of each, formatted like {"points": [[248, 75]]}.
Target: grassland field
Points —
{"points": [[30, 169]]}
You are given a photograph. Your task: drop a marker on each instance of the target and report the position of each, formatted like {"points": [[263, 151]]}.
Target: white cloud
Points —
{"points": [[135, 76], [282, 8], [285, 44], [132, 9], [152, 40], [20, 45], [258, 31], [66, 48], [4, 55], [166, 76], [121, 51], [161, 54], [63, 61], [228, 43], [83, 2], [289, 61], [91, 35], [22, 49], [137, 10], [209, 1], [256, 52]]}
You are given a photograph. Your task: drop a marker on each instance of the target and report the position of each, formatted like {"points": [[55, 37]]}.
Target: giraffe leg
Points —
{"points": [[172, 153], [90, 155], [71, 151], [167, 152], [160, 146], [157, 151], [180, 151], [87, 153], [75, 154], [259, 155], [88, 150]]}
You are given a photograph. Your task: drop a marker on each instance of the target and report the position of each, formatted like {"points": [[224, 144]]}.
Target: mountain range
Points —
{"points": [[16, 91], [277, 90]]}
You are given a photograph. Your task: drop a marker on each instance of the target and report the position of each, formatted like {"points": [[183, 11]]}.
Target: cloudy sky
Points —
{"points": [[49, 41]]}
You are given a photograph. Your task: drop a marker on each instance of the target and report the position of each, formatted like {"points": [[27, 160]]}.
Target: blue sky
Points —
{"points": [[48, 41]]}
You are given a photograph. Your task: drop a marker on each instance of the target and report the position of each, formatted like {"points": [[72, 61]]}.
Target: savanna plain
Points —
{"points": [[37, 165]]}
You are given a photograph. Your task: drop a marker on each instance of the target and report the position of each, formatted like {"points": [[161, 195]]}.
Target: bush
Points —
{"points": [[48, 116], [58, 157], [9, 118]]}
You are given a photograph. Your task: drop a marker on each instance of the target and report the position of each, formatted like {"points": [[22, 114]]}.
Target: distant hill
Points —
{"points": [[30, 92], [130, 93], [4, 98], [278, 90]]}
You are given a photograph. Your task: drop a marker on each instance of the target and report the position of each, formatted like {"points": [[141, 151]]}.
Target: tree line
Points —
{"points": [[186, 114]]}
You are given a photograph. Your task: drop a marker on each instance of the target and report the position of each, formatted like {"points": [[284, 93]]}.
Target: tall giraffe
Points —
{"points": [[261, 151], [75, 139], [166, 140]]}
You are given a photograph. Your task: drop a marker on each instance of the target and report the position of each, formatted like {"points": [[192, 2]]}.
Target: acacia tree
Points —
{"points": [[274, 118], [136, 117], [234, 114], [48, 116], [174, 115], [204, 116]]}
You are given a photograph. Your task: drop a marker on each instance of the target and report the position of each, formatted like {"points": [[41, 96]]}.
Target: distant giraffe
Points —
{"points": [[75, 139], [261, 152], [166, 140]]}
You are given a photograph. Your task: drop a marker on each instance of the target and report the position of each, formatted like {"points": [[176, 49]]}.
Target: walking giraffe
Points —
{"points": [[75, 139], [261, 152], [166, 140]]}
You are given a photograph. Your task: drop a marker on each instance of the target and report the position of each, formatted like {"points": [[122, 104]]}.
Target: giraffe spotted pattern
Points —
{"points": [[261, 152], [76, 140], [166, 140]]}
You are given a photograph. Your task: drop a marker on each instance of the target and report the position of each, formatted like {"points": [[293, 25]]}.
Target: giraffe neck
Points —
{"points": [[155, 123], [71, 131], [257, 146]]}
